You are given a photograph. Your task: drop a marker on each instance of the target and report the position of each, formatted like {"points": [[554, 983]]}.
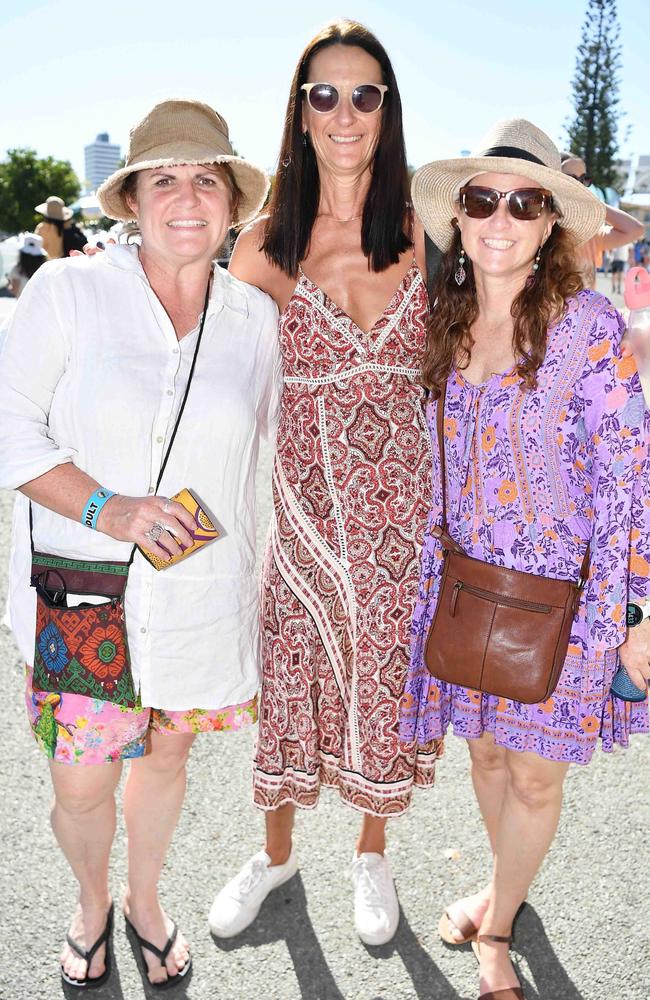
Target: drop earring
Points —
{"points": [[538, 257], [304, 139], [461, 273]]}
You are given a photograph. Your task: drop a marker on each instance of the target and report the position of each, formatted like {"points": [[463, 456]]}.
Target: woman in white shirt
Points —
{"points": [[92, 374]]}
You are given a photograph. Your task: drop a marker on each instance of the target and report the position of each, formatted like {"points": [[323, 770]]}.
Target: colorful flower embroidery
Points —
{"points": [[103, 652], [53, 648]]}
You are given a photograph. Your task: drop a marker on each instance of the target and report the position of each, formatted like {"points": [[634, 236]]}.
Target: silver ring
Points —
{"points": [[155, 531]]}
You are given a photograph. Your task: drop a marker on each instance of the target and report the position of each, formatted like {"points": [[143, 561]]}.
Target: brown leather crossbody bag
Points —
{"points": [[497, 630]]}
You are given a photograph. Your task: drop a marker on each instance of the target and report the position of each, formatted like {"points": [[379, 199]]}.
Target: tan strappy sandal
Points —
{"points": [[512, 992], [467, 928]]}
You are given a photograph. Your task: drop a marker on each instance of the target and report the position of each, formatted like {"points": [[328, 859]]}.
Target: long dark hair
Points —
{"points": [[541, 302], [29, 263], [296, 191]]}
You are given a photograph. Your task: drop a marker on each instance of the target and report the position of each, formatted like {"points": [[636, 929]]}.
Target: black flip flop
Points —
{"points": [[88, 982], [161, 954]]}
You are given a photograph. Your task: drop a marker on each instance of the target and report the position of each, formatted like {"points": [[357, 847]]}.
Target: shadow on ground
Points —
{"points": [[284, 916], [548, 976]]}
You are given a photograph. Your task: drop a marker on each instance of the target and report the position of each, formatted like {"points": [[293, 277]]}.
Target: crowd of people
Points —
{"points": [[437, 377]]}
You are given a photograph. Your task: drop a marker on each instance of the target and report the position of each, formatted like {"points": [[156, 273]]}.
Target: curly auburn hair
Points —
{"points": [[541, 303]]}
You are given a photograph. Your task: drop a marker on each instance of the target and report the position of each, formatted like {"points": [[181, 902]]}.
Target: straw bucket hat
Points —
{"points": [[54, 208], [180, 132], [514, 146]]}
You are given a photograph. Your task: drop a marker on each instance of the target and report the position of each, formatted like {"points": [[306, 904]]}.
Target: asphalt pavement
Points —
{"points": [[583, 936]]}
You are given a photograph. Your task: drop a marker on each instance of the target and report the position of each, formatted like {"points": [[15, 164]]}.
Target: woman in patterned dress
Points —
{"points": [[546, 443], [342, 259]]}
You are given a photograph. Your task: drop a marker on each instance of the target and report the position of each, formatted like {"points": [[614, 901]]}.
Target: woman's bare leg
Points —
{"points": [[83, 821], [153, 797], [372, 837], [279, 829], [527, 822], [489, 777]]}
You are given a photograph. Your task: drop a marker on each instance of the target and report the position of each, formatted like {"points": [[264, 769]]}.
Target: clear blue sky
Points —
{"points": [[70, 70]]}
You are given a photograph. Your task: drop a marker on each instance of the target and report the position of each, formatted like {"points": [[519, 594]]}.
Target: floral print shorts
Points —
{"points": [[74, 729]]}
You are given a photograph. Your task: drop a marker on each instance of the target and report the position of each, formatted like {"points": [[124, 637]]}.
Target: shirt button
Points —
{"points": [[170, 392], [151, 489], [143, 629], [175, 351], [160, 439]]}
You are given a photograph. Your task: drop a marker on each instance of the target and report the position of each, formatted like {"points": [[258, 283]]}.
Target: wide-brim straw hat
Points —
{"points": [[514, 146], [54, 208], [182, 132]]}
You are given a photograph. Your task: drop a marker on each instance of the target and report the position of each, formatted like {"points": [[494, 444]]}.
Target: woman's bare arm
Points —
{"points": [[66, 489]]}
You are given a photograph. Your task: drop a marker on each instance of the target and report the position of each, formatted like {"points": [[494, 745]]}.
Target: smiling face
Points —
{"points": [[184, 212], [502, 245], [344, 140]]}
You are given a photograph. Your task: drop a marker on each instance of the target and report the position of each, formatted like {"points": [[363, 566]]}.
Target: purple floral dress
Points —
{"points": [[532, 476]]}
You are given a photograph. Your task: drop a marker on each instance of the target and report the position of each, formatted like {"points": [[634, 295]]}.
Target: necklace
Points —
{"points": [[334, 219]]}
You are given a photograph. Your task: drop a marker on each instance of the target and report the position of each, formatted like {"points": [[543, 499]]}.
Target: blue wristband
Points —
{"points": [[94, 506]]}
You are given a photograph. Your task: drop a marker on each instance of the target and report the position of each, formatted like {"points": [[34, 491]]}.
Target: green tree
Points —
{"points": [[27, 180], [592, 133]]}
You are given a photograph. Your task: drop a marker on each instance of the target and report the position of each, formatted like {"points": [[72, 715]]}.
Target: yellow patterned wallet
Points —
{"points": [[203, 531]]}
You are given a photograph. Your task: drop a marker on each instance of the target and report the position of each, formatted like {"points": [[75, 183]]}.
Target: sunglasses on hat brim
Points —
{"points": [[324, 97], [525, 204]]}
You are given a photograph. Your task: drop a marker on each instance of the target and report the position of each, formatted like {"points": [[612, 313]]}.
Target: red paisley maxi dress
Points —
{"points": [[351, 491]]}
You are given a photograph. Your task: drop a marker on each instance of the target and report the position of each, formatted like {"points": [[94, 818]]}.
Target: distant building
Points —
{"points": [[635, 176], [102, 158]]}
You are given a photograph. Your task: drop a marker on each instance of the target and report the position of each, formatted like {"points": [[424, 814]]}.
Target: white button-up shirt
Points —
{"points": [[91, 372]]}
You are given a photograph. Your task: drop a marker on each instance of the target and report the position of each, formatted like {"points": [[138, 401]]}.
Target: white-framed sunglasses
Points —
{"points": [[324, 97]]}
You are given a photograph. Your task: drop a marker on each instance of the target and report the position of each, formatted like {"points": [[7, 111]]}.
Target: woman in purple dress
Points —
{"points": [[546, 445]]}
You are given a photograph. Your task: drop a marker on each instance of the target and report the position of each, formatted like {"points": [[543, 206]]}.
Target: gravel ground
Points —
{"points": [[584, 934]]}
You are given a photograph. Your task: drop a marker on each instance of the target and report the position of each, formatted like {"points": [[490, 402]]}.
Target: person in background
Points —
{"points": [[618, 230], [59, 233], [619, 258], [31, 256]]}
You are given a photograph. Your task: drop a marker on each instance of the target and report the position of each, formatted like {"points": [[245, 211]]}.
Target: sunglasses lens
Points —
{"points": [[526, 204], [323, 97], [478, 202], [366, 98]]}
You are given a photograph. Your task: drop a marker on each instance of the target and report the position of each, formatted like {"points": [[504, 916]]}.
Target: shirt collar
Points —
{"points": [[227, 291]]}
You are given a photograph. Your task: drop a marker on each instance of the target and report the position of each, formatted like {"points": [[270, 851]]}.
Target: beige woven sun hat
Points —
{"points": [[54, 208], [178, 132], [514, 146]]}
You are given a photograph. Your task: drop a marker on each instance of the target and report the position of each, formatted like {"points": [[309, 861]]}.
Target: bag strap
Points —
{"points": [[433, 257], [176, 424], [440, 431]]}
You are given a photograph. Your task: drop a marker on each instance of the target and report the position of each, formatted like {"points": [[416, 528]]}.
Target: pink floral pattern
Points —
{"points": [[75, 729], [532, 476]]}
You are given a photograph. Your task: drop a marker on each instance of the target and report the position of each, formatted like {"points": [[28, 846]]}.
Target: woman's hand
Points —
{"points": [[635, 654], [89, 250], [130, 519]]}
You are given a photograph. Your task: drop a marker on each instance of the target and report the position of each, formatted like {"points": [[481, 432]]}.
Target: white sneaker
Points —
{"points": [[376, 910], [239, 902]]}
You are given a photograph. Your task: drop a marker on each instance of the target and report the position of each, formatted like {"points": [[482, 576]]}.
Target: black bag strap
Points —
{"points": [[176, 424], [433, 256]]}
